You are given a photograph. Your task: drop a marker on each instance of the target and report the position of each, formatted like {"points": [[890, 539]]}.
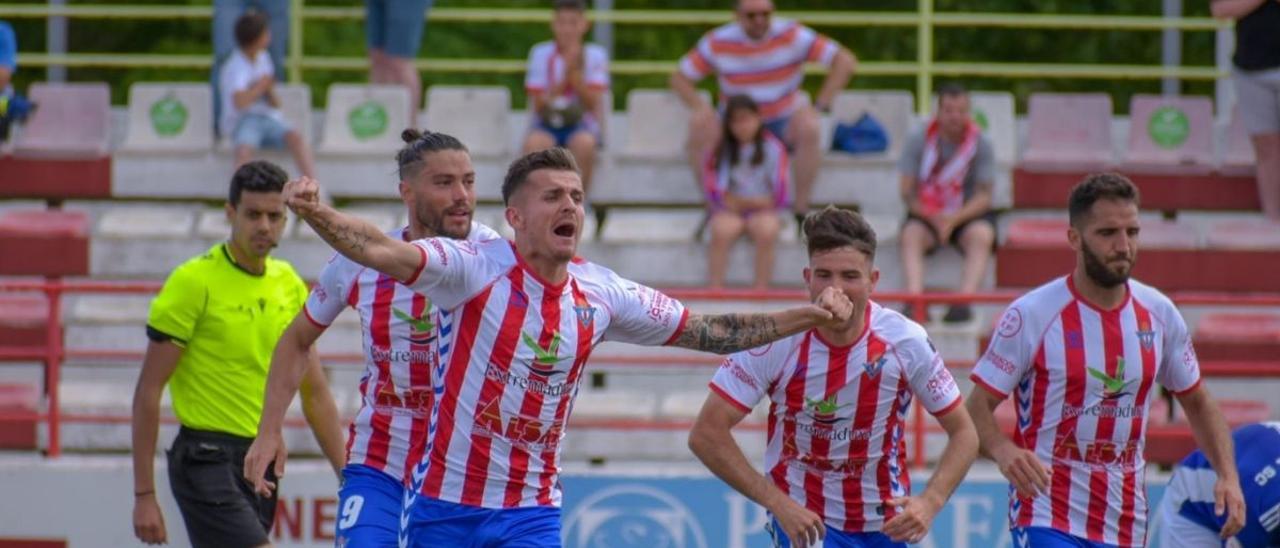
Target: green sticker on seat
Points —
{"points": [[1168, 127], [168, 117], [368, 120], [980, 118]]}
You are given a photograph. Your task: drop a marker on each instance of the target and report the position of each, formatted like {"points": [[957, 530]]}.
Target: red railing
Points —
{"points": [[53, 352]]}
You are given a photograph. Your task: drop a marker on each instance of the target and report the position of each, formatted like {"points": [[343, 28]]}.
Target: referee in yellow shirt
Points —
{"points": [[212, 330]]}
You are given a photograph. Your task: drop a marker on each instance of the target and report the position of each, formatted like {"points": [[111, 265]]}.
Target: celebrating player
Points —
{"points": [[527, 314], [838, 399], [1080, 355], [401, 332]]}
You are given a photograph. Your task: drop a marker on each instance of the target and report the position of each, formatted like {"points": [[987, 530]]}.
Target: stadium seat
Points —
{"points": [[19, 399], [48, 242], [295, 105], [657, 126], [1170, 134], [169, 117], [615, 404], [476, 115], [651, 225], [364, 119], [145, 223], [107, 309], [23, 317], [1237, 154], [892, 109], [1068, 132], [1258, 234], [72, 122], [1238, 336]]}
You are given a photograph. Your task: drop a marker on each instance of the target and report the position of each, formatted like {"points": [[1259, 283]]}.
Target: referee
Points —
{"points": [[212, 329]]}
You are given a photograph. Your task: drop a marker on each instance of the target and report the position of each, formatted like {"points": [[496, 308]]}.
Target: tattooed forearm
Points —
{"points": [[728, 333], [363, 243], [344, 234]]}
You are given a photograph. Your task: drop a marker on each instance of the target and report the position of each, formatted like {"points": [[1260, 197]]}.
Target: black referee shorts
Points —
{"points": [[220, 509]]}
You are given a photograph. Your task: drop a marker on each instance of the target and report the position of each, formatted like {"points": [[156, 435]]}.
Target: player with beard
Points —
{"points": [[403, 337], [1081, 355]]}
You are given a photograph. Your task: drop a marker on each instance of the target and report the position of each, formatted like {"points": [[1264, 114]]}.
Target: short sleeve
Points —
{"points": [[535, 72], [821, 49], [481, 232], [984, 163], [743, 378], [330, 295], [912, 150], [1179, 367], [597, 73], [452, 271], [178, 307], [1009, 355], [642, 315], [928, 376], [696, 64], [8, 48]]}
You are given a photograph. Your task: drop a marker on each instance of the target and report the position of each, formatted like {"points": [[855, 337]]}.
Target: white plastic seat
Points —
{"points": [[364, 120], [477, 115], [169, 117]]}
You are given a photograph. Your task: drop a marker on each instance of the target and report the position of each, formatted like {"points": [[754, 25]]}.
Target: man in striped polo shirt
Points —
{"points": [[763, 57], [835, 463], [1081, 355], [527, 315]]}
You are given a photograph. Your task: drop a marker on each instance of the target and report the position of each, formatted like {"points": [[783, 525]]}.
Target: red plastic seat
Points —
{"points": [[19, 405], [22, 319], [1037, 232], [44, 243]]}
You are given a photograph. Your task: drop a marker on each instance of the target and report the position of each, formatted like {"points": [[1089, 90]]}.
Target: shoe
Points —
{"points": [[800, 223], [958, 313], [909, 310]]}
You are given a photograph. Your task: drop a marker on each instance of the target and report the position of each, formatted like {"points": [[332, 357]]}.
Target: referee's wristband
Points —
{"points": [[137, 494]]}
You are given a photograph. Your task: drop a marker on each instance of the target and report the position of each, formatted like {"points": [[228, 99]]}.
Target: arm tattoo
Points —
{"points": [[347, 235], [728, 333]]}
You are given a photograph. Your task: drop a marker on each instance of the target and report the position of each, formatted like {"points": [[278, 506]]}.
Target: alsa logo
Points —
{"points": [[421, 330], [824, 411], [528, 432], [1112, 386], [1100, 453], [544, 359]]}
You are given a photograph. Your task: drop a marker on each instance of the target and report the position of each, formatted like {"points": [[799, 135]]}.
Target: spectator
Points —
{"points": [[8, 57], [394, 32], [1257, 78], [566, 82], [250, 108], [764, 58], [746, 184], [947, 170], [225, 15]]}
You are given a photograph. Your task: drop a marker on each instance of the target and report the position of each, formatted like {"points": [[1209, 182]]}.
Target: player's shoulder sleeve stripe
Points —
{"points": [[950, 407], [422, 264], [724, 394], [977, 380]]}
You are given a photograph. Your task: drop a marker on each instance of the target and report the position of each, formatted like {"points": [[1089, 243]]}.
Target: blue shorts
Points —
{"points": [[1047, 537], [395, 26], [835, 538], [434, 523], [259, 131], [778, 127], [369, 505]]}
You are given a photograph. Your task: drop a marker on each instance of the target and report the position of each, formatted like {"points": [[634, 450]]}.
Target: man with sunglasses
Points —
{"points": [[763, 57]]}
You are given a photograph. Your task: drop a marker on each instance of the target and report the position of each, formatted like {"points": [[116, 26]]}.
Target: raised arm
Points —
{"points": [[351, 236], [158, 365], [1214, 439], [728, 333]]}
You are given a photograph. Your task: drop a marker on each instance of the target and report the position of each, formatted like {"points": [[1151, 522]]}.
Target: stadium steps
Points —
{"points": [[1238, 336]]}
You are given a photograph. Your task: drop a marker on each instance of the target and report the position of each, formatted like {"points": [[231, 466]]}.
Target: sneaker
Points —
{"points": [[909, 310], [958, 313]]}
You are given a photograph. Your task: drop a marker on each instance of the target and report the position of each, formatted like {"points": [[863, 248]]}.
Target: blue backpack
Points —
{"points": [[864, 136]]}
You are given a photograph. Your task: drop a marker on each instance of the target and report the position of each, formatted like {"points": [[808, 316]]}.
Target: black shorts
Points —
{"points": [[954, 240], [220, 509]]}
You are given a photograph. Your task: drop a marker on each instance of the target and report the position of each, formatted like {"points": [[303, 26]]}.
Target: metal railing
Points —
{"points": [[925, 20]]}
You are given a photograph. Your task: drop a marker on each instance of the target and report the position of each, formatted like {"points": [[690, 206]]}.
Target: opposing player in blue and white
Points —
{"points": [[1193, 519]]}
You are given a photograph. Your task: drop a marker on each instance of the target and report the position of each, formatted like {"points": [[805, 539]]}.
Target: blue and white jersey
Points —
{"points": [[1258, 459]]}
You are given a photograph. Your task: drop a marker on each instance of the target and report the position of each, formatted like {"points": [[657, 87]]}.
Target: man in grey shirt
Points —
{"points": [[947, 170]]}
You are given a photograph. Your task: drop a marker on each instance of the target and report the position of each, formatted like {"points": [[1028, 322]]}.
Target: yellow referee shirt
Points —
{"points": [[227, 321]]}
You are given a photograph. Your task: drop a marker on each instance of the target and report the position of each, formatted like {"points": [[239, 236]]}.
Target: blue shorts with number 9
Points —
{"points": [[369, 505]]}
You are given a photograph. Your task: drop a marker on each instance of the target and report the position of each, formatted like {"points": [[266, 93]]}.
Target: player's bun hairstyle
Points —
{"points": [[834, 228], [556, 159], [250, 26], [1099, 186], [256, 176], [417, 145]]}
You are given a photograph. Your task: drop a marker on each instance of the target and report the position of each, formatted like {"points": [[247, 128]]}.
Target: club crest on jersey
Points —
{"points": [[1075, 340], [586, 314], [544, 359], [421, 330], [874, 366], [824, 411], [1146, 337], [1112, 387]]}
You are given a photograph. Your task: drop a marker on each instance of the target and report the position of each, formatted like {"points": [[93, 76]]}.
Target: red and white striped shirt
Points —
{"points": [[1082, 380], [401, 332], [515, 365], [769, 70], [836, 413]]}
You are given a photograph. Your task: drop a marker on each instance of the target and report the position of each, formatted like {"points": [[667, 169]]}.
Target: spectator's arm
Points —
{"points": [[838, 76], [245, 97], [907, 190], [1233, 9], [688, 91], [976, 206]]}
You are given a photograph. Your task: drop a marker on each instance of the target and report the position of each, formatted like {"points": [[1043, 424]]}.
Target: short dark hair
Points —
{"points": [[417, 145], [575, 5], [256, 176], [951, 89], [833, 228], [1099, 186], [250, 26], [556, 158]]}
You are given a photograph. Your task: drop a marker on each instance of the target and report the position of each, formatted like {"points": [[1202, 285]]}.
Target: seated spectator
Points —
{"points": [[763, 57], [13, 107], [746, 184], [566, 82], [250, 108], [947, 171], [225, 15]]}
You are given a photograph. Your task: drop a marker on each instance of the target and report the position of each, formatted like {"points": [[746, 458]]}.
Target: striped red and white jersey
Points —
{"points": [[769, 70], [519, 348], [836, 413], [1082, 381], [400, 335]]}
